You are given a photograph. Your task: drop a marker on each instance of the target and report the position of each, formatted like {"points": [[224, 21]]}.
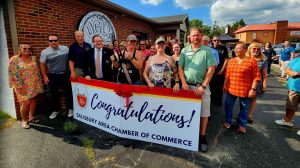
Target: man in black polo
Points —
{"points": [[100, 61], [55, 59], [78, 56], [217, 81]]}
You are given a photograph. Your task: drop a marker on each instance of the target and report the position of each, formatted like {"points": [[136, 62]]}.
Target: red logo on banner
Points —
{"points": [[81, 99]]}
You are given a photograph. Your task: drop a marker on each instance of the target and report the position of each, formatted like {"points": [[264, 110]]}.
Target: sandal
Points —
{"points": [[35, 121], [242, 130], [226, 125], [25, 125]]}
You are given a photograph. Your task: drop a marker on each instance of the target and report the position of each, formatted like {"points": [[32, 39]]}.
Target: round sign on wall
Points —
{"points": [[97, 23]]}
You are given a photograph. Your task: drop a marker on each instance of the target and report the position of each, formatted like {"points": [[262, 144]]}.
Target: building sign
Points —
{"points": [[153, 115], [97, 23], [295, 33]]}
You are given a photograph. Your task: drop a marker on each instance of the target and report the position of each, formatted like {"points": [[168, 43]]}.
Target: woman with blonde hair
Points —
{"points": [[25, 79], [254, 51]]}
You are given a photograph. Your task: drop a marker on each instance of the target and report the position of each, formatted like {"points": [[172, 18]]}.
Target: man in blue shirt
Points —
{"points": [[78, 56], [293, 100], [287, 54]]}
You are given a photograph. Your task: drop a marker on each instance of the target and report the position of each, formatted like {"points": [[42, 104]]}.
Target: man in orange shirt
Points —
{"points": [[241, 78]]}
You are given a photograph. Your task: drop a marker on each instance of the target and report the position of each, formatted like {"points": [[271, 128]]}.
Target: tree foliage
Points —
{"points": [[199, 23], [238, 24]]}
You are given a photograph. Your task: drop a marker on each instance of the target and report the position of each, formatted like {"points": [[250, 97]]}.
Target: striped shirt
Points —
{"points": [[241, 76]]}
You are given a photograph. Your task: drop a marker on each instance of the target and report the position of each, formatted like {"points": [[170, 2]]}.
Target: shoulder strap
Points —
{"points": [[126, 73]]}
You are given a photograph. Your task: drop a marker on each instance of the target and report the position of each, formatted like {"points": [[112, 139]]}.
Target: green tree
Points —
{"points": [[236, 25], [199, 23]]}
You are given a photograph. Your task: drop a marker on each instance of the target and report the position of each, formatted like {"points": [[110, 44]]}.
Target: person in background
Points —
{"points": [[159, 67], [78, 56], [188, 41], [130, 63], [270, 53], [55, 59], [217, 81], [168, 48], [241, 78], [100, 61], [153, 51], [293, 99], [254, 51], [287, 54], [176, 56], [110, 46], [24, 77], [196, 67], [205, 41]]}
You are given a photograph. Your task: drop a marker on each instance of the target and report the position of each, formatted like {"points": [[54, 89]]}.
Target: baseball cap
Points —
{"points": [[131, 38], [160, 39]]}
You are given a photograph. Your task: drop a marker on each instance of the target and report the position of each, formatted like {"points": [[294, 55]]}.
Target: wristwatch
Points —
{"points": [[253, 89], [204, 87]]}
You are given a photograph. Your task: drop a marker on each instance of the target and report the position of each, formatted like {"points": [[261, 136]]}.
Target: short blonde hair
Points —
{"points": [[252, 45]]}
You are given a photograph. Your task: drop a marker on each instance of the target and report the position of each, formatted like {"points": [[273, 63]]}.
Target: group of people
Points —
{"points": [[205, 69]]}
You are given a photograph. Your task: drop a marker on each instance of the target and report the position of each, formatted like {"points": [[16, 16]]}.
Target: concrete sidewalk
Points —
{"points": [[48, 145]]}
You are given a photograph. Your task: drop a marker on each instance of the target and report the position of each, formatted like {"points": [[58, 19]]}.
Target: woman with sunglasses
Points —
{"points": [[25, 79], [254, 51]]}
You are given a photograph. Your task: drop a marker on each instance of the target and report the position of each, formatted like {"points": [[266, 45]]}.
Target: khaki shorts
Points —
{"points": [[205, 102], [293, 100]]}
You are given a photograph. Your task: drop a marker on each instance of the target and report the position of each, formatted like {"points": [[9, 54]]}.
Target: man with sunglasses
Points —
{"points": [[217, 81], [55, 59]]}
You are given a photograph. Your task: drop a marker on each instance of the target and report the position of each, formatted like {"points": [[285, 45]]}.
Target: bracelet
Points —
{"points": [[253, 89], [176, 81], [204, 87]]}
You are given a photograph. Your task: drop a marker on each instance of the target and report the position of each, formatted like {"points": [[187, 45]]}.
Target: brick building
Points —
{"points": [[275, 33], [33, 20]]}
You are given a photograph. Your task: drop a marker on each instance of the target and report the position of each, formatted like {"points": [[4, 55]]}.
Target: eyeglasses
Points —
{"points": [[257, 49], [26, 48], [51, 41]]}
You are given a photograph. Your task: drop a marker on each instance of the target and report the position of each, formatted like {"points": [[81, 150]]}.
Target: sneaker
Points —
{"points": [[283, 122], [298, 132], [203, 145], [70, 114], [242, 130], [53, 114]]}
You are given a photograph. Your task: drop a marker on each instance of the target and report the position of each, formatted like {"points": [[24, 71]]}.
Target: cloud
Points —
{"points": [[229, 11], [152, 2], [188, 4]]}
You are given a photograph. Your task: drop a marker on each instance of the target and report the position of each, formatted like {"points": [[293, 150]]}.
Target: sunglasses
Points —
{"points": [[26, 48], [257, 49], [216, 40], [51, 41]]}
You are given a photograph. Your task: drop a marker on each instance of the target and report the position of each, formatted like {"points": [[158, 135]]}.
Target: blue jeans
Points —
{"points": [[269, 63], [244, 107]]}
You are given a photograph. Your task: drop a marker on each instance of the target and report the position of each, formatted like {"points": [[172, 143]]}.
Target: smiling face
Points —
{"points": [[79, 37], [153, 50], [160, 47], [195, 37], [98, 42], [255, 51], [240, 50], [176, 48]]}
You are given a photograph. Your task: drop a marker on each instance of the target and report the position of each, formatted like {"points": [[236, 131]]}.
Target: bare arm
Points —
{"points": [[205, 83], [292, 55], [138, 61], [71, 65], [264, 84], [43, 71], [146, 75], [222, 71], [182, 78]]}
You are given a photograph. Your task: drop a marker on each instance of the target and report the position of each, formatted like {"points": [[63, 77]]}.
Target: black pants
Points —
{"points": [[56, 81], [216, 89]]}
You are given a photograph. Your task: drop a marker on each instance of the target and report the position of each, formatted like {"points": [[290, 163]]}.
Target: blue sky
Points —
{"points": [[166, 8], [222, 11]]}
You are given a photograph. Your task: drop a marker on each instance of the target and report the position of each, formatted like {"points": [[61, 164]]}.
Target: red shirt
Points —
{"points": [[240, 77]]}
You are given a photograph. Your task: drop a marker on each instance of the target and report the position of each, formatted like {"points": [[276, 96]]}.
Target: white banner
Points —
{"points": [[162, 119]]}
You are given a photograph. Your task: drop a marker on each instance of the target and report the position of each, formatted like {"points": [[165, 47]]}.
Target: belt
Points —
{"points": [[198, 84]]}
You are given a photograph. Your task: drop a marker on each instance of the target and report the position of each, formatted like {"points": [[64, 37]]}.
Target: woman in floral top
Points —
{"points": [[254, 51], [25, 79]]}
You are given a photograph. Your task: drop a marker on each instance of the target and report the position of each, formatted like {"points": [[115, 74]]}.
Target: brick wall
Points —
{"points": [[38, 18]]}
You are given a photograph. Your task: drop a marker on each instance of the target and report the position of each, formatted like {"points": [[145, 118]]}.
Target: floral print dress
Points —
{"points": [[161, 74], [25, 78]]}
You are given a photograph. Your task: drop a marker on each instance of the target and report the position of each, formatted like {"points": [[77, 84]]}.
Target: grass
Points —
{"points": [[6, 121], [88, 145], [3, 116], [70, 127]]}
